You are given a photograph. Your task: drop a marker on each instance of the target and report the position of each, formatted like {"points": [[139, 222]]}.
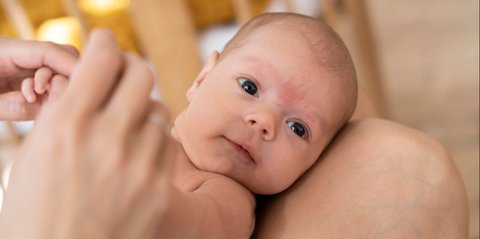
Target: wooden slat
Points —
{"points": [[367, 51], [19, 19], [243, 11], [350, 19], [168, 37], [290, 6], [331, 12], [72, 9]]}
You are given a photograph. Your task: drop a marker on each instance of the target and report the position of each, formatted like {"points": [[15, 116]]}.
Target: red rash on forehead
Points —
{"points": [[289, 93]]}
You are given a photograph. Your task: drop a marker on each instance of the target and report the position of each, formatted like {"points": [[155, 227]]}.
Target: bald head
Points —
{"points": [[326, 48]]}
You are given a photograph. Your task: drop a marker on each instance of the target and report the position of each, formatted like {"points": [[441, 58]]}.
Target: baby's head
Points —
{"points": [[262, 112]]}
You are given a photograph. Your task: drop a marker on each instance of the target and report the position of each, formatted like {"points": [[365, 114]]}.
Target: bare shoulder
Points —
{"points": [[234, 204], [372, 129], [377, 179], [188, 178]]}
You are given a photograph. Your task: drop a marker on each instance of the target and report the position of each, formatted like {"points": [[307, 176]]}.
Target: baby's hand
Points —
{"points": [[45, 84]]}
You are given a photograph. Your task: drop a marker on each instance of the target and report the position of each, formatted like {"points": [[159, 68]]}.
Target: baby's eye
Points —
{"points": [[297, 128], [248, 86]]}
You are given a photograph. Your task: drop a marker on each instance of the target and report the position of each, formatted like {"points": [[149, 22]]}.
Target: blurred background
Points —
{"points": [[418, 61]]}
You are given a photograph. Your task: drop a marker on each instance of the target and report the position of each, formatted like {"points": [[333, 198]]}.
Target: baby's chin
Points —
{"points": [[269, 187]]}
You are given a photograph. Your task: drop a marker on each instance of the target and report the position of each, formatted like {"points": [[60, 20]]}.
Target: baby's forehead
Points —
{"points": [[313, 95]]}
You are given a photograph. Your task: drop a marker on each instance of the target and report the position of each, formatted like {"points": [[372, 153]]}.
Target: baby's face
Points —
{"points": [[263, 114]]}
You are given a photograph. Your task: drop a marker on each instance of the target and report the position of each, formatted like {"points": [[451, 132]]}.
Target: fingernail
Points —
{"points": [[39, 89]]}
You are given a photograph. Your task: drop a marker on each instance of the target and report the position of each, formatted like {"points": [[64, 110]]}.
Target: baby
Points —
{"points": [[259, 115]]}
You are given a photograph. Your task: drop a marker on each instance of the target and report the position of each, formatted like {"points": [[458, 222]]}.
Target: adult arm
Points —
{"points": [[94, 166], [377, 179]]}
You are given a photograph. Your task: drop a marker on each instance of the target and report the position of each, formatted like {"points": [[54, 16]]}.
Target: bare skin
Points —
{"points": [[377, 179], [18, 63]]}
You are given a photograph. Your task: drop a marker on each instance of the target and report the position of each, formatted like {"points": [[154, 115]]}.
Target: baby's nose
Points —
{"points": [[263, 123]]}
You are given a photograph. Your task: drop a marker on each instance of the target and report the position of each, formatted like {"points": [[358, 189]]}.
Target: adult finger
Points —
{"points": [[151, 143], [74, 51], [156, 132], [131, 98], [96, 73], [57, 87], [151, 169], [35, 54]]}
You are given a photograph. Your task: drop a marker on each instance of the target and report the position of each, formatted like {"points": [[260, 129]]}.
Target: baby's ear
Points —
{"points": [[212, 60]]}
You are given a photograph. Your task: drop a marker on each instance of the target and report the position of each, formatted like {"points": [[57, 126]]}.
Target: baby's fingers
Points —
{"points": [[27, 90], [57, 87], [42, 79]]}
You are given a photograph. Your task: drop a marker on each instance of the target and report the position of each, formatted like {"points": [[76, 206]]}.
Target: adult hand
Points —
{"points": [[90, 168], [18, 61]]}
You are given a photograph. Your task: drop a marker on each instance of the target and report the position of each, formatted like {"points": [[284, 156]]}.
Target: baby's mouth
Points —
{"points": [[241, 149]]}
